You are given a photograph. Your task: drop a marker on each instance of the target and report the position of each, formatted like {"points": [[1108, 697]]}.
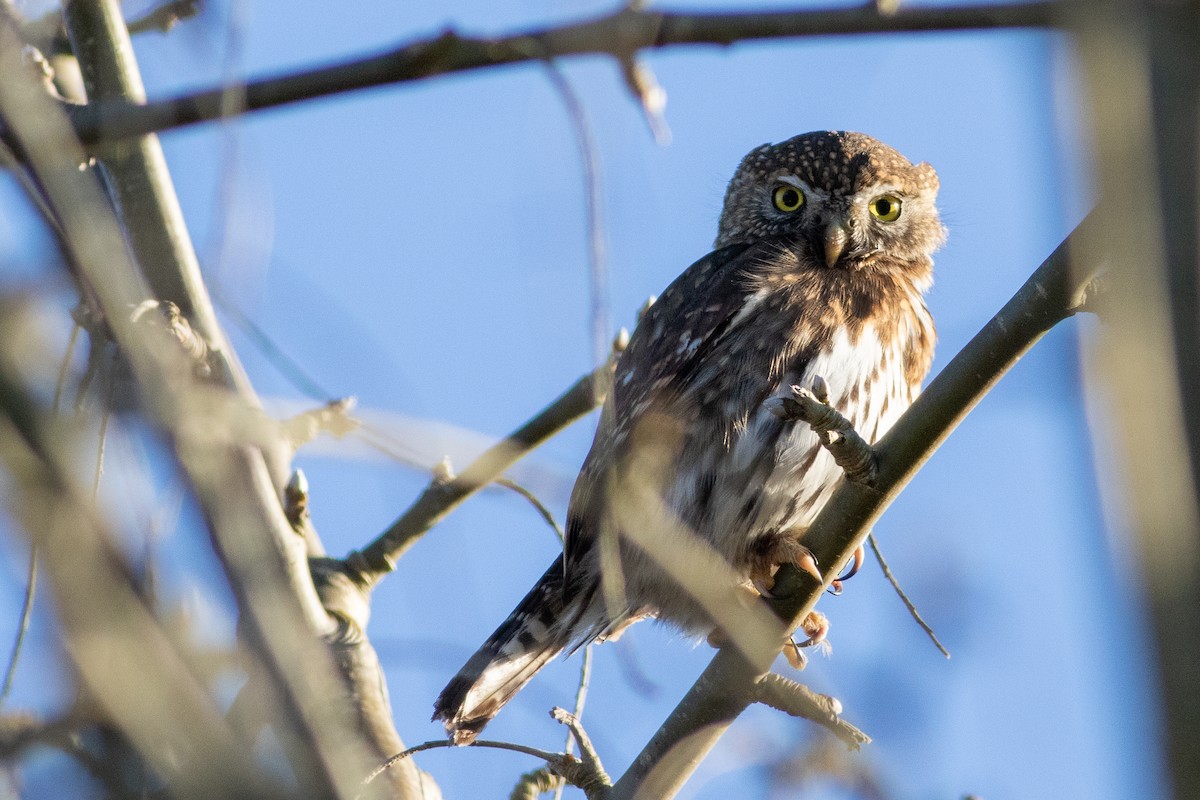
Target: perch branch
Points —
{"points": [[726, 687], [618, 34]]}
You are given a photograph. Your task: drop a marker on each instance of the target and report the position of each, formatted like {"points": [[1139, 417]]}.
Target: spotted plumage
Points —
{"points": [[823, 253]]}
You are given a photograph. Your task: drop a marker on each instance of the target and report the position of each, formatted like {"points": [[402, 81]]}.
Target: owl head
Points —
{"points": [[846, 201]]}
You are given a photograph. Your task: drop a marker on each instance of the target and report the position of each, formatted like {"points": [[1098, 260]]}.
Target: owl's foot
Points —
{"points": [[836, 433], [781, 549], [816, 626]]}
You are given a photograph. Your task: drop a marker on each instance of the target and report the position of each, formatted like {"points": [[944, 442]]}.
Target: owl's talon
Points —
{"points": [[794, 655], [805, 561], [856, 564], [835, 586]]}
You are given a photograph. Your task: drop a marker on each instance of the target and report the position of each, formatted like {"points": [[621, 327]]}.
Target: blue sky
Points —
{"points": [[424, 248]]}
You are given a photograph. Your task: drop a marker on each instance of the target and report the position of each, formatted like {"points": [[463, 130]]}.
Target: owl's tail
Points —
{"points": [[538, 629]]}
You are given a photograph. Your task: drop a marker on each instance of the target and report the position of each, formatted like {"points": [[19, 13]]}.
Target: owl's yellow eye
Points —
{"points": [[788, 198], [886, 208]]}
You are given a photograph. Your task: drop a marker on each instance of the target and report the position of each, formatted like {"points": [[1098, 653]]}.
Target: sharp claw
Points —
{"points": [[794, 655], [763, 588], [807, 563], [835, 586], [859, 555]]}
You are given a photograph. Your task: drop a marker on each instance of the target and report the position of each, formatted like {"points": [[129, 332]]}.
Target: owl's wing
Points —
{"points": [[666, 356]]}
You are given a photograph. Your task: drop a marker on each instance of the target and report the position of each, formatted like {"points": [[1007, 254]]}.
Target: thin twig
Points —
{"points": [[291, 369], [545, 755], [598, 284], [23, 627], [64, 369], [585, 679], [10, 672], [912, 609], [629, 29], [588, 756], [546, 514], [105, 413]]}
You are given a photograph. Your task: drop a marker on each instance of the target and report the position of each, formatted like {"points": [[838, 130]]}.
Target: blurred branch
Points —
{"points": [[441, 496], [135, 670], [165, 17], [48, 35], [1138, 61], [263, 558], [727, 686], [619, 34]]}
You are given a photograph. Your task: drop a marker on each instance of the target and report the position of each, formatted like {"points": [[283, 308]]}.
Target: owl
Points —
{"points": [[822, 257]]}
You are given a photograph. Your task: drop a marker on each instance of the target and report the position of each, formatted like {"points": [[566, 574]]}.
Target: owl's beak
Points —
{"points": [[836, 237]]}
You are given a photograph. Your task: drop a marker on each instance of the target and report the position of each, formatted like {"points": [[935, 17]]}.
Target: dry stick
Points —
{"points": [[619, 34], [912, 609], [23, 626], [441, 497], [726, 687], [165, 17]]}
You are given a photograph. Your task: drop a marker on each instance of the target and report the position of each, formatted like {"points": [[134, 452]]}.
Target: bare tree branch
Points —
{"points": [[1139, 68], [144, 681], [727, 686], [621, 33]]}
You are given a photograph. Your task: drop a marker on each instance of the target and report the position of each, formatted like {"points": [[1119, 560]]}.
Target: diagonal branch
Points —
{"points": [[619, 34], [727, 686]]}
